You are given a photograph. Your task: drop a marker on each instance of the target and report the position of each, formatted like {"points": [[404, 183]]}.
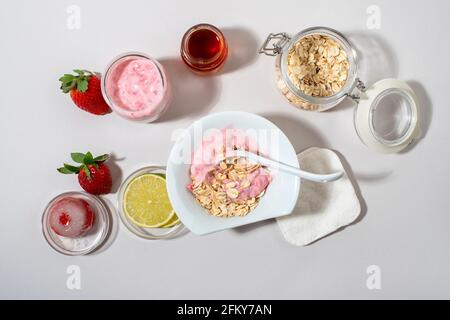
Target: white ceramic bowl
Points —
{"points": [[281, 194]]}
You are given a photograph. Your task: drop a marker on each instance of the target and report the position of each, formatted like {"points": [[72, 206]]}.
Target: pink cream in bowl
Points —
{"points": [[135, 86], [204, 169]]}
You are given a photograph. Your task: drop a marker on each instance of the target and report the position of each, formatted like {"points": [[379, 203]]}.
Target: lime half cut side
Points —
{"points": [[146, 202], [172, 222]]}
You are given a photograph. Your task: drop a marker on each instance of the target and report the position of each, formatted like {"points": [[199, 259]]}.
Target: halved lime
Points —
{"points": [[146, 202]]}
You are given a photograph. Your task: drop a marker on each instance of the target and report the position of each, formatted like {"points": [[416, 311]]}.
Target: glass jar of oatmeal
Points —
{"points": [[136, 87], [317, 69]]}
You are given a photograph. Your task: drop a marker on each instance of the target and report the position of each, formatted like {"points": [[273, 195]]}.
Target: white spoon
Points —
{"points": [[286, 168]]}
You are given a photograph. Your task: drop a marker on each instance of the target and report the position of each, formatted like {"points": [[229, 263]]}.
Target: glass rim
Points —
{"points": [[148, 234], [352, 57]]}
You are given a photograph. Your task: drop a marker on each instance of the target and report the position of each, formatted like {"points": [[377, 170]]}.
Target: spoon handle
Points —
{"points": [[290, 169]]}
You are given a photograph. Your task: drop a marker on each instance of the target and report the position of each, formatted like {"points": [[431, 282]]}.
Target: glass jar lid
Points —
{"points": [[136, 87], [387, 116], [75, 223]]}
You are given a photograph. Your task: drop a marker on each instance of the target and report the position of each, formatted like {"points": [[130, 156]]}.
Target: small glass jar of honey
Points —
{"points": [[204, 48]]}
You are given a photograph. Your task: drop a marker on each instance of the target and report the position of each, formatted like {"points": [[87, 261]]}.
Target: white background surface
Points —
{"points": [[405, 229]]}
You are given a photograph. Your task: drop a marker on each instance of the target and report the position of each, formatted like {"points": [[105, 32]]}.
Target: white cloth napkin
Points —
{"points": [[322, 208]]}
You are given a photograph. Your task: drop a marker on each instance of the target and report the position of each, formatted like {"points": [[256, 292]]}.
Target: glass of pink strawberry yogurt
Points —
{"points": [[135, 86]]}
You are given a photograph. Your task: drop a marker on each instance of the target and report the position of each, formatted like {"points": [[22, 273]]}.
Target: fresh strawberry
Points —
{"points": [[97, 181], [85, 91], [71, 217], [93, 174]]}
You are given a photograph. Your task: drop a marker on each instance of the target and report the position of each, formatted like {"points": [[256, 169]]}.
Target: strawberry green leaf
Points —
{"points": [[86, 171], [67, 82], [88, 158], [77, 157], [67, 78], [64, 170], [101, 158], [67, 89], [73, 169]]}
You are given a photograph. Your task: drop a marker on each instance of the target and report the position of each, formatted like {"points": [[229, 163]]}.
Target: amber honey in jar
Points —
{"points": [[204, 48]]}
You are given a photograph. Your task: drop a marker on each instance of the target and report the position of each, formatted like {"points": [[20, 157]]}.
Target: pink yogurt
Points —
{"points": [[212, 150], [135, 87]]}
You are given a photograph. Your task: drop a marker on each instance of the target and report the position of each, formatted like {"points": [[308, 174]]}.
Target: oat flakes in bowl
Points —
{"points": [[233, 188], [225, 185]]}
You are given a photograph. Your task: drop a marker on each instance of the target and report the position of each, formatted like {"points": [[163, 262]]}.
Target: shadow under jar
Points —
{"points": [[317, 69]]}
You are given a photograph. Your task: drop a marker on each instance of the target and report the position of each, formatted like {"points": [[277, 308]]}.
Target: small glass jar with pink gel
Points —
{"points": [[135, 86]]}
